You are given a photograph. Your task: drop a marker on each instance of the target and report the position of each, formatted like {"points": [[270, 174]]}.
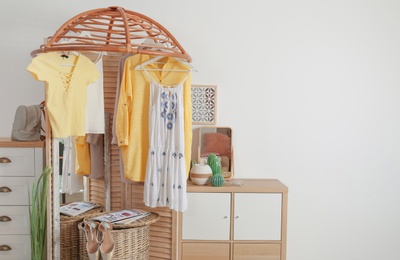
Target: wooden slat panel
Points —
{"points": [[161, 231], [155, 229], [159, 239], [158, 256], [129, 195], [160, 250], [161, 245]]}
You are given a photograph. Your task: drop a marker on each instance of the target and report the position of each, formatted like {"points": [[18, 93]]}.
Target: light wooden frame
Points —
{"points": [[204, 104], [231, 173]]}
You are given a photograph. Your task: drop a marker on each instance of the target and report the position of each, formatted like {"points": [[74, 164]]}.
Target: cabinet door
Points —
{"points": [[257, 216], [207, 216]]}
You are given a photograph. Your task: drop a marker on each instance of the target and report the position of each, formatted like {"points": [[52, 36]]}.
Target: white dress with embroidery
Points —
{"points": [[165, 182]]}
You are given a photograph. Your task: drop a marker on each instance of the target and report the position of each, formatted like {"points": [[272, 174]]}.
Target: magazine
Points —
{"points": [[76, 208], [125, 216], [132, 219]]}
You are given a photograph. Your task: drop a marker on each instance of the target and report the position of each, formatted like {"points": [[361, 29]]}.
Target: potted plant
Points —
{"points": [[37, 214], [217, 179]]}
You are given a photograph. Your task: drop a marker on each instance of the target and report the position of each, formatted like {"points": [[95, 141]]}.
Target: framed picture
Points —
{"points": [[204, 104]]}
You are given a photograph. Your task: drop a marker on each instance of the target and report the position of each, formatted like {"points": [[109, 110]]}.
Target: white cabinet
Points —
{"points": [[234, 223], [208, 217], [257, 216], [20, 164]]}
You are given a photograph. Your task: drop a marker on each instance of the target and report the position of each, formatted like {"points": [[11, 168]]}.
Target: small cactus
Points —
{"points": [[217, 180], [216, 167], [214, 163], [211, 157]]}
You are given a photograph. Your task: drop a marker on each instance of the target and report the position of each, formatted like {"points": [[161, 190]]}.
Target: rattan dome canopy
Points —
{"points": [[114, 29]]}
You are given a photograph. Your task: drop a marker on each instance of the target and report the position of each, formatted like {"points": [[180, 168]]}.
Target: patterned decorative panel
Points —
{"points": [[204, 101]]}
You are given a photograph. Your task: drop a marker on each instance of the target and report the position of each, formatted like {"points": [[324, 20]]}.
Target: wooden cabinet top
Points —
{"points": [[7, 142], [247, 185]]}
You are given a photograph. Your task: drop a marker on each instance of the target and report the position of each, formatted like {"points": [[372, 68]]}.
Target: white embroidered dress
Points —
{"points": [[165, 183]]}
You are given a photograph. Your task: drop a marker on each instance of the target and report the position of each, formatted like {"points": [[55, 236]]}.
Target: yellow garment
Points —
{"points": [[132, 122], [67, 79], [83, 164]]}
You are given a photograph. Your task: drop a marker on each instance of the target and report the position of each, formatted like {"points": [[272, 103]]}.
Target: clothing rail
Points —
{"points": [[113, 29]]}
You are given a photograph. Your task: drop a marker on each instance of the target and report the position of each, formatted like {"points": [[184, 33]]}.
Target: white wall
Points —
{"points": [[310, 88]]}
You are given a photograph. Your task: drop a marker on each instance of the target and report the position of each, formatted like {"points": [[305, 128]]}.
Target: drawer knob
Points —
{"points": [[5, 189], [5, 219], [4, 160], [5, 248]]}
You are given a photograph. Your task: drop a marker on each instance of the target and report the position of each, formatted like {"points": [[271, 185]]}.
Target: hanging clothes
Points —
{"points": [[70, 181], [83, 162], [133, 109], [67, 79], [90, 155], [114, 140], [121, 68], [96, 147], [165, 184], [95, 103]]}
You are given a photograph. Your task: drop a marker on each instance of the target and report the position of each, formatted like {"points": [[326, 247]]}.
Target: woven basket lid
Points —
{"points": [[114, 29]]}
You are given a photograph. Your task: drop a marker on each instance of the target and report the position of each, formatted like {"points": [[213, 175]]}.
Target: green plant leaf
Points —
{"points": [[37, 214]]}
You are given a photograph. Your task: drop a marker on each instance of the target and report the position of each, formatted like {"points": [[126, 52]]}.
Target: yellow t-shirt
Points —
{"points": [[67, 79], [132, 122]]}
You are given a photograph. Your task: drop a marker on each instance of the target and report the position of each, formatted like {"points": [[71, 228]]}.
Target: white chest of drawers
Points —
{"points": [[20, 164]]}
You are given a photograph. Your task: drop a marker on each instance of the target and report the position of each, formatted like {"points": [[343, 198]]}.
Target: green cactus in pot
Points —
{"points": [[215, 166], [211, 157], [217, 179]]}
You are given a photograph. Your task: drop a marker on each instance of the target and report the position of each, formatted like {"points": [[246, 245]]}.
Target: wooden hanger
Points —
{"points": [[154, 60], [157, 46], [157, 58]]}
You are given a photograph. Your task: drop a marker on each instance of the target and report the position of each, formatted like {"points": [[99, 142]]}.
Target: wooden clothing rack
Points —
{"points": [[116, 31]]}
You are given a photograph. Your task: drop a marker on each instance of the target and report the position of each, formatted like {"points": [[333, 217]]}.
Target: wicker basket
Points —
{"points": [[131, 241], [69, 234]]}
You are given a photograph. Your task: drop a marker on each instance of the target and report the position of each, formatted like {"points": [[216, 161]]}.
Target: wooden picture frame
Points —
{"points": [[204, 104]]}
